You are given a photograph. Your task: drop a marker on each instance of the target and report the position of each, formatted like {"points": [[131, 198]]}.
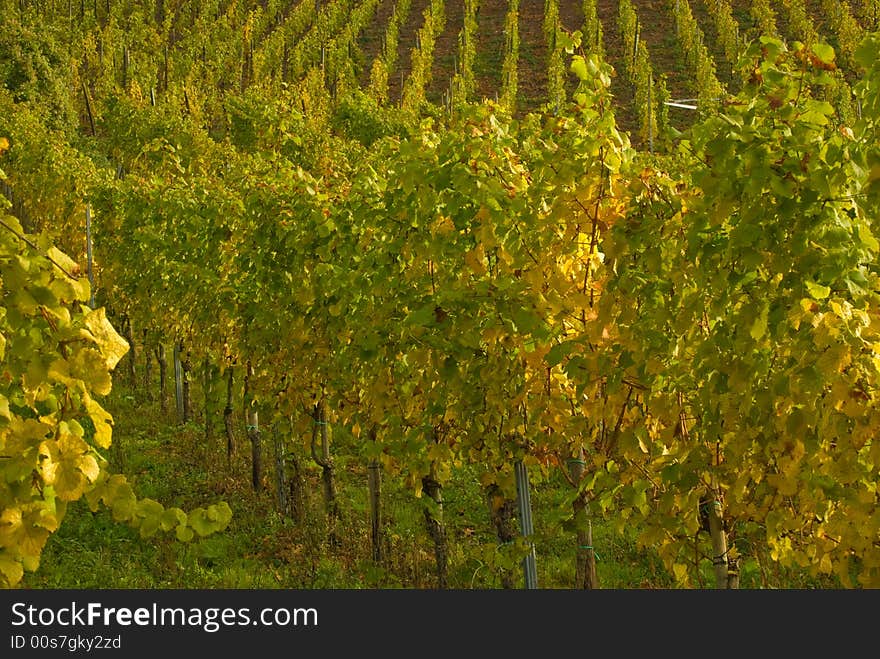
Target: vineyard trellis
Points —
{"points": [[479, 290]]}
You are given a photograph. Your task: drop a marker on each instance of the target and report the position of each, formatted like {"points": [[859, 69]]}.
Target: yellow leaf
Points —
{"points": [[30, 536], [875, 457], [865, 496], [438, 452], [112, 345], [841, 308], [69, 481], [30, 563], [102, 420], [49, 454], [81, 289], [868, 238], [63, 260], [10, 523], [89, 467], [680, 572], [88, 365], [442, 225], [73, 468], [475, 260], [10, 569], [759, 327], [485, 234], [25, 434], [818, 291], [834, 359]]}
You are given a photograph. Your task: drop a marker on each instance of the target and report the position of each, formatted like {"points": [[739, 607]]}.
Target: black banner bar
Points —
{"points": [[415, 623]]}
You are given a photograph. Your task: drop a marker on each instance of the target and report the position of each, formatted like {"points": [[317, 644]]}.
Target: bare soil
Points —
{"points": [[446, 52], [370, 40], [532, 66], [409, 32], [490, 45], [657, 32]]}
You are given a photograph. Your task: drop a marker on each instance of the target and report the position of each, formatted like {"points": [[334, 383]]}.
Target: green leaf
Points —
{"points": [[184, 533], [149, 508], [123, 508], [149, 526], [759, 327], [868, 52], [198, 520], [558, 352], [171, 518], [817, 112], [867, 238], [817, 291], [824, 52], [220, 514], [421, 317], [579, 67], [680, 572]]}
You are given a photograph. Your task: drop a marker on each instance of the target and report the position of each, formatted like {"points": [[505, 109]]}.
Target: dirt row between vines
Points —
{"points": [[657, 31]]}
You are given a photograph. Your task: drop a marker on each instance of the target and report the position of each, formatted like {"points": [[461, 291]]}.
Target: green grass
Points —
{"points": [[173, 464]]}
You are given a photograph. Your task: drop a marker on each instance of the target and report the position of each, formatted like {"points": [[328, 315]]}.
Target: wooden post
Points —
{"points": [[125, 64], [325, 461], [208, 386], [178, 381], [132, 353], [280, 471], [85, 92], [163, 379], [295, 487], [436, 528], [585, 563], [374, 476], [227, 414], [148, 366], [502, 512], [253, 430], [186, 368]]}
